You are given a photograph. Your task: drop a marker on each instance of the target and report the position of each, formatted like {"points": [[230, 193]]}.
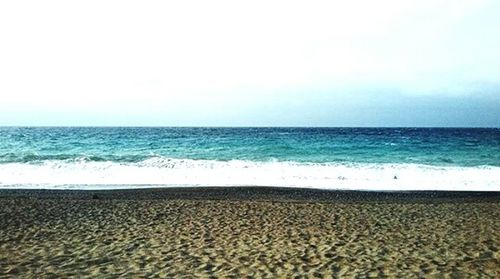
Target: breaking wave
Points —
{"points": [[83, 173]]}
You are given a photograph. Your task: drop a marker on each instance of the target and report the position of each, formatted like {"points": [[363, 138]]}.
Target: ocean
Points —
{"points": [[332, 158]]}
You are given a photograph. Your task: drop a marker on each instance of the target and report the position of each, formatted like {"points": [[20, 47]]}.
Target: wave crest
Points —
{"points": [[87, 173]]}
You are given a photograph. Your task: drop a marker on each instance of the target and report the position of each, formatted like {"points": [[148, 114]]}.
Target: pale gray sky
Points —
{"points": [[272, 63]]}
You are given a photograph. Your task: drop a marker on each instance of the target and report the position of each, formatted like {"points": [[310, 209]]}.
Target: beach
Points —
{"points": [[235, 232]]}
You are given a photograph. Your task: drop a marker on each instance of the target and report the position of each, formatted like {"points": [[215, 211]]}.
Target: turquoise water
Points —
{"points": [[461, 147], [41, 153]]}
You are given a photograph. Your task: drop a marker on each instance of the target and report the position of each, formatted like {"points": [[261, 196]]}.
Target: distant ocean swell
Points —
{"points": [[157, 171]]}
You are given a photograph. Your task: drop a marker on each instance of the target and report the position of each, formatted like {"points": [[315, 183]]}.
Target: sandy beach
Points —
{"points": [[248, 232]]}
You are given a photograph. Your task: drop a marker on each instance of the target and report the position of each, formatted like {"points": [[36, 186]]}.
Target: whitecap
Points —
{"points": [[167, 172]]}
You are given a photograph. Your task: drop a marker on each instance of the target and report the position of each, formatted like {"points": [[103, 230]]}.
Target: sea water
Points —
{"points": [[332, 158]]}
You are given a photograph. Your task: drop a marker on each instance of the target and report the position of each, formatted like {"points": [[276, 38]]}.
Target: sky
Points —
{"points": [[250, 63]]}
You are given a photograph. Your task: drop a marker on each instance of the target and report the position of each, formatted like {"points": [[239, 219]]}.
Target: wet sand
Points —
{"points": [[248, 232]]}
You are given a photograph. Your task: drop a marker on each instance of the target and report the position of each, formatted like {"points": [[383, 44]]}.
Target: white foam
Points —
{"points": [[165, 172]]}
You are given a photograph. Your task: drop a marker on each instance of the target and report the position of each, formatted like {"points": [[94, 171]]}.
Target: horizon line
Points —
{"points": [[249, 126]]}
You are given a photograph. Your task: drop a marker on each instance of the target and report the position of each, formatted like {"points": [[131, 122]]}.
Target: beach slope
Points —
{"points": [[249, 231]]}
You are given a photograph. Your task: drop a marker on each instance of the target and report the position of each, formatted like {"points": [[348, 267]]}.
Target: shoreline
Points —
{"points": [[254, 193]]}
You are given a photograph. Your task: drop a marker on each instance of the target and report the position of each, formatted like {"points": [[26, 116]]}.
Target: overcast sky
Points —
{"points": [[250, 63]]}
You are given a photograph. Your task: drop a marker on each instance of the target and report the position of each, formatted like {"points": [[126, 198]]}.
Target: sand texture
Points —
{"points": [[130, 236]]}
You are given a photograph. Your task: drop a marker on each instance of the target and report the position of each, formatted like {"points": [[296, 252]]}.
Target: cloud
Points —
{"points": [[113, 56]]}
